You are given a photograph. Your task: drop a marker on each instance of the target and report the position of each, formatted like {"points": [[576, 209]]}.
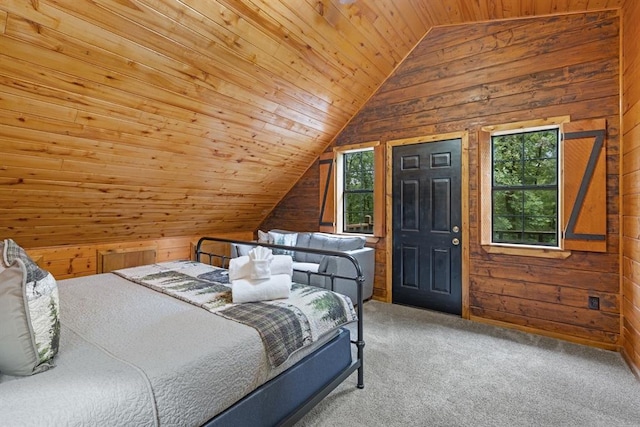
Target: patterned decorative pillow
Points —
{"points": [[13, 251], [284, 239], [29, 322], [264, 237]]}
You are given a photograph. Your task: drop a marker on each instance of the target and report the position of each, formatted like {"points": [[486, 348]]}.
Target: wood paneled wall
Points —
{"points": [[68, 261], [630, 187], [302, 214], [141, 122], [465, 77], [146, 119], [143, 119]]}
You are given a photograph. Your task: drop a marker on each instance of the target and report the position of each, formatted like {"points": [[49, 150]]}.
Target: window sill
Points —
{"points": [[372, 240], [532, 252]]}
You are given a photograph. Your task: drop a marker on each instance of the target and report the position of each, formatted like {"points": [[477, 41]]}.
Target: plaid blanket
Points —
{"points": [[285, 325]]}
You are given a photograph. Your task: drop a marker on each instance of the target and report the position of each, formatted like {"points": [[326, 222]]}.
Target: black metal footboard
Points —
{"points": [[222, 260]]}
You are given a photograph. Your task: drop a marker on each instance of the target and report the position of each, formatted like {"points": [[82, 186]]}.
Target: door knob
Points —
{"points": [[455, 241], [456, 228]]}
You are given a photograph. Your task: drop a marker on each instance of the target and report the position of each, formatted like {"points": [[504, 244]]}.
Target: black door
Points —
{"points": [[427, 251]]}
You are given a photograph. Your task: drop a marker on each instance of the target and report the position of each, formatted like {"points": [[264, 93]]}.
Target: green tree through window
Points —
{"points": [[358, 192], [524, 192]]}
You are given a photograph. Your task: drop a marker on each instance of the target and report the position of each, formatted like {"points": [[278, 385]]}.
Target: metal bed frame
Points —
{"points": [[297, 413]]}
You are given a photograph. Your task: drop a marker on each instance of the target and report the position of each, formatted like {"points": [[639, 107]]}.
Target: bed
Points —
{"points": [[130, 354]]}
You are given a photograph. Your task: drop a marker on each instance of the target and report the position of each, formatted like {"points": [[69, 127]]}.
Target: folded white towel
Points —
{"points": [[261, 258], [282, 264], [260, 252], [241, 267], [244, 290], [260, 269]]}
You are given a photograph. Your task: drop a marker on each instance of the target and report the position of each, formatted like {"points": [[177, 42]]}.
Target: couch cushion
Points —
{"points": [[332, 242], [350, 243], [302, 242], [306, 266], [300, 274]]}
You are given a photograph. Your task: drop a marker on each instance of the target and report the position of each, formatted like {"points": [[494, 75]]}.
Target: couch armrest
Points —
{"points": [[344, 267]]}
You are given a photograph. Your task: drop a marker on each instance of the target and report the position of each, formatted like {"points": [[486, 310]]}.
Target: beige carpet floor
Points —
{"points": [[430, 369]]}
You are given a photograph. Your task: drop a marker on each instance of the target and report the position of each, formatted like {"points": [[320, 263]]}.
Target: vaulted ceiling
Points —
{"points": [[147, 118]]}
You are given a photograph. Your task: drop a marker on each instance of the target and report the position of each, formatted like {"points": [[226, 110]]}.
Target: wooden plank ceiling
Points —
{"points": [[129, 119]]}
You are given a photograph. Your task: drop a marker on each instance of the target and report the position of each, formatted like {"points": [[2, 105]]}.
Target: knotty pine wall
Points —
{"points": [[631, 185], [301, 211], [464, 77], [125, 121], [68, 261], [146, 119]]}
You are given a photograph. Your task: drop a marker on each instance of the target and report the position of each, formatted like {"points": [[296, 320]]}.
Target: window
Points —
{"points": [[352, 189], [543, 187], [524, 191], [357, 192]]}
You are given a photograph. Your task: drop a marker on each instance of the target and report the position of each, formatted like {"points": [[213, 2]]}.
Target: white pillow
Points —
{"points": [[243, 250], [29, 320], [264, 237]]}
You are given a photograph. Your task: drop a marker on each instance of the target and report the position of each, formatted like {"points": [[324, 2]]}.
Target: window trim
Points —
{"points": [[485, 188]]}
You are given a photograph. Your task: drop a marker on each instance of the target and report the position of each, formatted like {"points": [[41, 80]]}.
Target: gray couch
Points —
{"points": [[308, 262]]}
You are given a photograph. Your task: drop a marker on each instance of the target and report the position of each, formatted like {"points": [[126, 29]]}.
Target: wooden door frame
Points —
{"points": [[464, 159]]}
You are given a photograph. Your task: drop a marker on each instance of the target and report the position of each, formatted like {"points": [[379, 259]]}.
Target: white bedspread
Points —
{"points": [[86, 384], [191, 363]]}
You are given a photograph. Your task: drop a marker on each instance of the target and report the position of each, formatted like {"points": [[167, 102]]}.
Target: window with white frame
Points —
{"points": [[525, 183]]}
